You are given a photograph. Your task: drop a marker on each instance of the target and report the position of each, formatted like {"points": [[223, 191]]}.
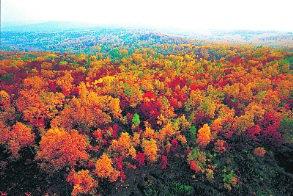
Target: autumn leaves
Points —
{"points": [[99, 121]]}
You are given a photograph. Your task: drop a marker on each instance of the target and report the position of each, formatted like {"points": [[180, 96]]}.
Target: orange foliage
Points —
{"points": [[39, 106], [150, 149], [259, 151], [4, 100], [220, 146], [105, 169], [82, 181], [123, 145], [204, 136], [65, 83], [4, 133], [90, 109], [60, 148], [20, 136]]}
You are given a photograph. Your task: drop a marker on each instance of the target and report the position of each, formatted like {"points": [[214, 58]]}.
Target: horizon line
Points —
{"points": [[15, 24]]}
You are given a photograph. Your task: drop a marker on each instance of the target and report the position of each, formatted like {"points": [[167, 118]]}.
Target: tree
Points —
{"points": [[60, 148]]}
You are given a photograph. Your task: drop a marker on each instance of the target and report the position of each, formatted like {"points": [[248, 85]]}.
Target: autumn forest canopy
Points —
{"points": [[119, 111]]}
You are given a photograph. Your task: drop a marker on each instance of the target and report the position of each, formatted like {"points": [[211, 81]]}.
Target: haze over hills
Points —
{"points": [[79, 37]]}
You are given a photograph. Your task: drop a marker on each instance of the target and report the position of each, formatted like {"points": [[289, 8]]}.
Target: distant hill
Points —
{"points": [[71, 37], [45, 27], [75, 37], [268, 38]]}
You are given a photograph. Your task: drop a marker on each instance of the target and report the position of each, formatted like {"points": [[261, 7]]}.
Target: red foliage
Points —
{"points": [[140, 158], [52, 86], [194, 166], [236, 60], [177, 81], [115, 131], [270, 127], [98, 134], [119, 163], [149, 96], [271, 119], [175, 145], [151, 109], [195, 86], [164, 162], [253, 131], [178, 98], [122, 176]]}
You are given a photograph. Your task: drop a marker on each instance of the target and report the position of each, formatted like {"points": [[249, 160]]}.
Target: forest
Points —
{"points": [[152, 115]]}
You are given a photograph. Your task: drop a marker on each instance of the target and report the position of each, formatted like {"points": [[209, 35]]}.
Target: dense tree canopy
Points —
{"points": [[97, 118]]}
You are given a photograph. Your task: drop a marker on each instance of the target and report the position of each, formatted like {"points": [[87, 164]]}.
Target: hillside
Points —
{"points": [[143, 114]]}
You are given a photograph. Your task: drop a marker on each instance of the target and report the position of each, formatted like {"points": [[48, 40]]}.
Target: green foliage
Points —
{"points": [[135, 119], [115, 55], [181, 189], [284, 65], [27, 57], [50, 56], [286, 128], [191, 134], [219, 64], [228, 176], [63, 62], [127, 90], [7, 77], [150, 192], [195, 153], [88, 62], [289, 60]]}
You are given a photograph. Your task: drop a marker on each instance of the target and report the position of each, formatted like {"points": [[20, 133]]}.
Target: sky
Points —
{"points": [[174, 14]]}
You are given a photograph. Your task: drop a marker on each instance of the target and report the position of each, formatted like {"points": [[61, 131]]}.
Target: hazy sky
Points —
{"points": [[181, 14]]}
